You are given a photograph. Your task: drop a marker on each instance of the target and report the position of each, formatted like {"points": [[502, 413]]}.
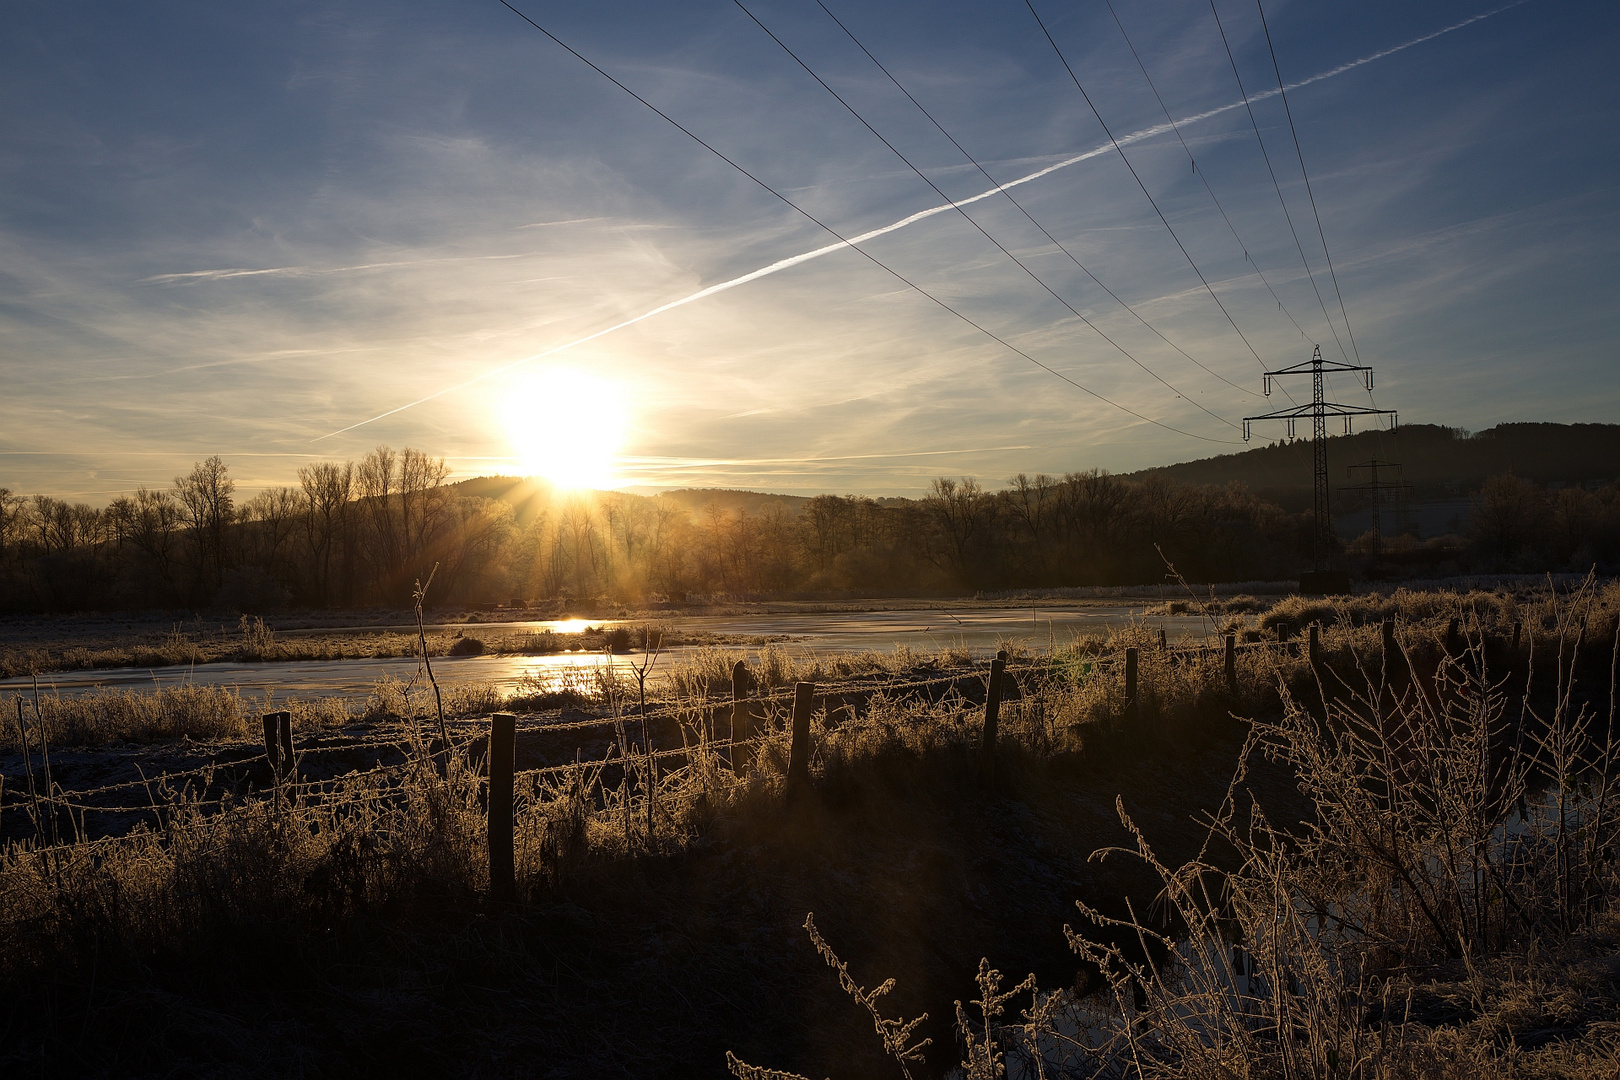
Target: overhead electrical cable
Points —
{"points": [[1202, 176], [1012, 199], [1151, 201], [970, 219], [1293, 134], [1255, 124], [1282, 92], [839, 245], [853, 247]]}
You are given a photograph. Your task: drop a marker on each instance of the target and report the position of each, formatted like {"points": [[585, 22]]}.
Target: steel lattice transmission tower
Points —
{"points": [[1376, 489], [1318, 411]]}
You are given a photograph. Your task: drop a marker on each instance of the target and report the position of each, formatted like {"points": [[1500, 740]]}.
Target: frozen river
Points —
{"points": [[980, 630]]}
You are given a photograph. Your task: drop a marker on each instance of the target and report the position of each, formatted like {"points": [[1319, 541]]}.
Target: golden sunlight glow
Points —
{"points": [[569, 626], [566, 426]]}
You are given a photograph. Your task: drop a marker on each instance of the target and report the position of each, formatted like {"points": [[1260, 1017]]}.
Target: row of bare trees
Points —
{"points": [[352, 534], [347, 534], [360, 533], [1523, 526]]}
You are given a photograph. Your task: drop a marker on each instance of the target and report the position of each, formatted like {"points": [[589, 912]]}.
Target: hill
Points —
{"points": [[1438, 462], [696, 500], [1441, 465]]}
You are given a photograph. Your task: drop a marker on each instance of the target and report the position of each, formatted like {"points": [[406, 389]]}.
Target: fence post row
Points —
{"points": [[799, 755], [992, 708], [1130, 684], [1231, 663], [502, 764], [741, 719]]}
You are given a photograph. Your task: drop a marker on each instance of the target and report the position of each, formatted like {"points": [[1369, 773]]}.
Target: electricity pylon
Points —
{"points": [[1376, 488], [1318, 411]]}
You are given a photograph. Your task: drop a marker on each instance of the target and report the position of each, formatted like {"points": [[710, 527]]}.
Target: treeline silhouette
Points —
{"points": [[360, 534]]}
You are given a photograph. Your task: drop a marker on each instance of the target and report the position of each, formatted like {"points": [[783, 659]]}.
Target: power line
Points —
{"points": [[1201, 175], [969, 217], [1255, 124], [1009, 195], [839, 236], [1121, 152], [1307, 176]]}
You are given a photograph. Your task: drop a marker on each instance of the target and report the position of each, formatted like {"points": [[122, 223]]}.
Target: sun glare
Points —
{"points": [[566, 426]]}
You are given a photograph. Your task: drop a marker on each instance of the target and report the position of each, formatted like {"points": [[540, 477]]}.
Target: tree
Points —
{"points": [[205, 495], [1032, 502], [150, 523], [12, 511], [1506, 515], [327, 487], [376, 480], [276, 513], [957, 508]]}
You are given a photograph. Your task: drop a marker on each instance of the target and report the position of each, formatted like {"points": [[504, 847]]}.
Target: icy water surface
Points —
{"points": [[980, 630]]}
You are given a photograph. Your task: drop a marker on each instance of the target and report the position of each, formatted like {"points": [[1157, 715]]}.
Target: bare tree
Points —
{"points": [[423, 505], [277, 512], [150, 523], [205, 496], [327, 487], [376, 483], [11, 522], [957, 508]]}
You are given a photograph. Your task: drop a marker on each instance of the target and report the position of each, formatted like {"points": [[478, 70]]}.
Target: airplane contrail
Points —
{"points": [[912, 219]]}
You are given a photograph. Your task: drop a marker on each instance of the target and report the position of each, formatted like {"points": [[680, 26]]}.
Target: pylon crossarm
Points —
{"points": [[1310, 367]]}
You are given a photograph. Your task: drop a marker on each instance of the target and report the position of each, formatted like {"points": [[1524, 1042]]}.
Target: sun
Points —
{"points": [[566, 426]]}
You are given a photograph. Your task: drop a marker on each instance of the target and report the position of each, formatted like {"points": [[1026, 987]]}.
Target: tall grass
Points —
{"points": [[1442, 910], [1462, 826]]}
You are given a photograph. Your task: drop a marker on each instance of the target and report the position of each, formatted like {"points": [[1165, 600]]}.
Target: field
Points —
{"points": [[1347, 862]]}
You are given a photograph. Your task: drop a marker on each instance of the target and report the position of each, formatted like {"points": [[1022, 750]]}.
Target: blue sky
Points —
{"points": [[239, 230]]}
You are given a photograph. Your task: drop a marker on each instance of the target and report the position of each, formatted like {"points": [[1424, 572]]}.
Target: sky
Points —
{"points": [[290, 232]]}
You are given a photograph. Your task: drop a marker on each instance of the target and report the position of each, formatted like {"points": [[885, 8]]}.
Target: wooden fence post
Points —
{"points": [[289, 764], [1231, 663], [992, 710], [1518, 628], [502, 762], [1316, 647], [799, 754], [1163, 644], [741, 719], [1130, 685], [1453, 646], [272, 742]]}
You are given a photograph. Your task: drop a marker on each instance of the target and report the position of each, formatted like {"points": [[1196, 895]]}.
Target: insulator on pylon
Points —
{"points": [[1266, 384]]}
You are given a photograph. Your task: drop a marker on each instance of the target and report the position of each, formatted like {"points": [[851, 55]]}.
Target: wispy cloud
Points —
{"points": [[186, 276], [788, 263]]}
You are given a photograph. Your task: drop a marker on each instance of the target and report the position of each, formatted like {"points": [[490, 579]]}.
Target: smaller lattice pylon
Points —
{"points": [[1376, 487]]}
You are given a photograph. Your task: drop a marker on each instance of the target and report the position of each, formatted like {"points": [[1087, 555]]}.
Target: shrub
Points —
{"points": [[466, 646]]}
